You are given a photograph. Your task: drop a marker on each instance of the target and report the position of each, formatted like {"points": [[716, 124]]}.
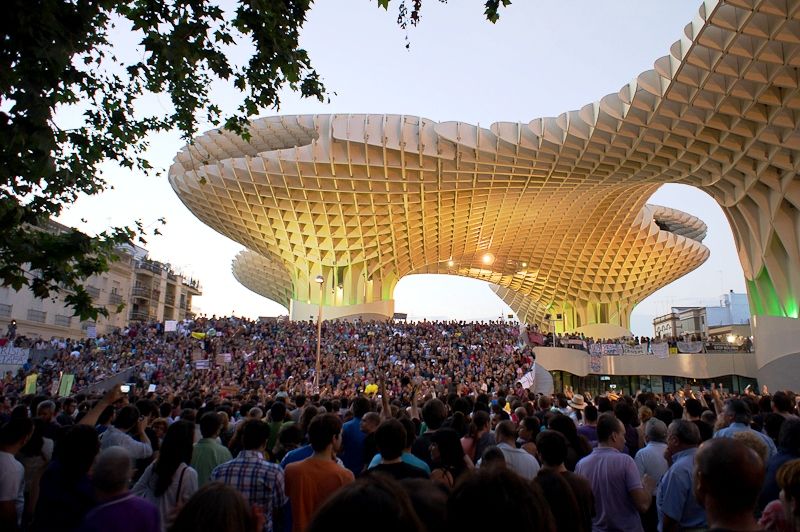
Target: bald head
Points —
{"points": [[728, 477], [113, 471], [505, 431]]}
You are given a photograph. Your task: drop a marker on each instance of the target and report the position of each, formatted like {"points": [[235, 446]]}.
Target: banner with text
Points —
{"points": [[690, 347]]}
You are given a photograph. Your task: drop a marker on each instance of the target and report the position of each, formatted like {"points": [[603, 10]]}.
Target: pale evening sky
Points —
{"points": [[542, 58]]}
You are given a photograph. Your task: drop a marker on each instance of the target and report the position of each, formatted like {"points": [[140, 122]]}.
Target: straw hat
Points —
{"points": [[577, 402]]}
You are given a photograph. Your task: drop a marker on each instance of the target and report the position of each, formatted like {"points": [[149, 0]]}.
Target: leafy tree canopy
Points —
{"points": [[60, 54]]}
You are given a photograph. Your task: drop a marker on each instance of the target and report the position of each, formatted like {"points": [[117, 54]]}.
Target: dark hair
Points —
{"points": [[410, 431], [604, 405], [552, 447], [590, 413], [493, 456], [517, 504], [277, 412], [300, 400], [561, 500], [725, 463], [127, 417], [76, 450], [531, 424], [429, 500], [451, 453], [607, 425], [739, 410], [434, 413], [255, 434], [687, 432], [35, 443], [663, 414], [676, 409], [789, 437], [694, 407], [390, 439], [360, 406], [322, 430], [15, 430], [566, 426], [175, 450], [782, 402], [772, 424], [215, 506], [375, 499], [625, 413], [210, 423]]}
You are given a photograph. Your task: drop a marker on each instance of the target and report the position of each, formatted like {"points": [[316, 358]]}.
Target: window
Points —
{"points": [[37, 315], [64, 321]]}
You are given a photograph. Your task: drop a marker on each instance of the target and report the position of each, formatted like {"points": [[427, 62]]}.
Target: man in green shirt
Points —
{"points": [[208, 452]]}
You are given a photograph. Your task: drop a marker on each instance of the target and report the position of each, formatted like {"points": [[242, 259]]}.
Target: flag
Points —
{"points": [[30, 384], [65, 388]]}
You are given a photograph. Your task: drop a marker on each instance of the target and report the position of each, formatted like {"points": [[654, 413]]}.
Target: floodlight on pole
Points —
{"points": [[320, 280]]}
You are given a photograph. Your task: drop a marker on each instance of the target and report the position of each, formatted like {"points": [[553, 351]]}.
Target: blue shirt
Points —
{"points": [[675, 493], [729, 431], [352, 454], [408, 458], [296, 455]]}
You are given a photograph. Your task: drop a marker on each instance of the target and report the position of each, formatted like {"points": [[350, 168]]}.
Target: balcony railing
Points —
{"points": [[149, 266], [141, 291], [169, 300], [114, 298], [37, 315], [137, 315], [93, 292], [5, 310]]}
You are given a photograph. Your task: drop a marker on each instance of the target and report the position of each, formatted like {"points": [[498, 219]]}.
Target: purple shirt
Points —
{"points": [[590, 433], [127, 513], [612, 475]]}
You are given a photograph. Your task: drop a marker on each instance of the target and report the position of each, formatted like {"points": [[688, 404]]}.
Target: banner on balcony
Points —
{"points": [[575, 342], [612, 349], [595, 362], [690, 347], [14, 355], [638, 349], [660, 350]]}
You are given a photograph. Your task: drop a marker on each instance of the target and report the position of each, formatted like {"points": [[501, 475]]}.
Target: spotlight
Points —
{"points": [[488, 258], [450, 263]]}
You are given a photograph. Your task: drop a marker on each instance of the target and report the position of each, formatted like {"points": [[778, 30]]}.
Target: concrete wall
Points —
{"points": [[700, 366], [377, 310], [777, 342]]}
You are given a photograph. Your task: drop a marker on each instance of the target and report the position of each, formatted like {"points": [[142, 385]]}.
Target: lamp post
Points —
{"points": [[320, 280]]}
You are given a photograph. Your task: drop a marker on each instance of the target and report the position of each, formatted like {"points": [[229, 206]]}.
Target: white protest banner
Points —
{"points": [[91, 331], [612, 349], [527, 380], [660, 350], [576, 342], [690, 347], [223, 358], [170, 326], [637, 349], [14, 355], [596, 349], [201, 364], [595, 362]]}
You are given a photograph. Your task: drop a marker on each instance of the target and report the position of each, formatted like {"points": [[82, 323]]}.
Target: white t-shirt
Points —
{"points": [[12, 482]]}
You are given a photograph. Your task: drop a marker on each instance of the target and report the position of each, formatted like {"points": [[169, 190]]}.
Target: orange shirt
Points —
{"points": [[309, 483]]}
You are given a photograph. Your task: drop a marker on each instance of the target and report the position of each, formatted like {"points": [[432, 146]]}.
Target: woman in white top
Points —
{"points": [[169, 481]]}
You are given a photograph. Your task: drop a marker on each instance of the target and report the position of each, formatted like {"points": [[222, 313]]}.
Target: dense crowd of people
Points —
{"points": [[419, 426]]}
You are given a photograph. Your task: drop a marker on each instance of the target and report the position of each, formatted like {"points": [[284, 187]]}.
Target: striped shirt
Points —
{"points": [[259, 481]]}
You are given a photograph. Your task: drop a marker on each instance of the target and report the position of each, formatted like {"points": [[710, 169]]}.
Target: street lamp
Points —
{"points": [[320, 280]]}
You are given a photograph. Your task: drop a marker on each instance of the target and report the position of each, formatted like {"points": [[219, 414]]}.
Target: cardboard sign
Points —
{"points": [[30, 384]]}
